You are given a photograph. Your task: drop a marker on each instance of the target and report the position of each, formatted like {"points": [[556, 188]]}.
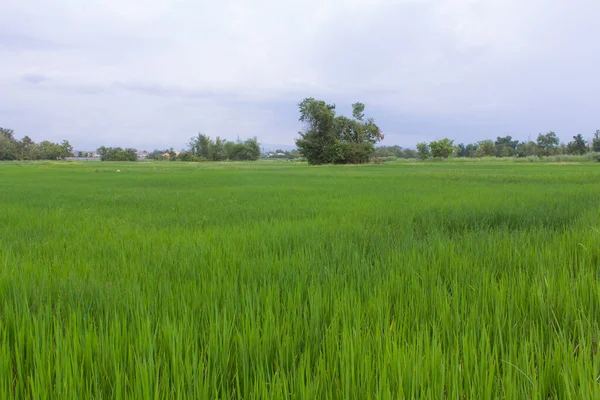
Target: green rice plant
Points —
{"points": [[279, 280]]}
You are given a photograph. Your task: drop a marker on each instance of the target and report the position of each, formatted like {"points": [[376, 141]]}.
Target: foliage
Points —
{"points": [[526, 149], [596, 141], [328, 139], [485, 148], [388, 151], [250, 281], [203, 147], [468, 150], [117, 154], [547, 144], [27, 149], [187, 156], [423, 150], [506, 146], [248, 150], [578, 146], [442, 148]]}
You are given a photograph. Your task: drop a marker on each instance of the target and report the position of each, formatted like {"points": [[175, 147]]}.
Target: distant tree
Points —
{"points": [[248, 150], [596, 141], [409, 154], [547, 144], [26, 149], [67, 149], [8, 145], [232, 149], [187, 156], [506, 146], [293, 154], [202, 146], [117, 154], [526, 149], [471, 149], [218, 150], [578, 146], [388, 151], [50, 151], [338, 140], [461, 150], [423, 150], [443, 148], [485, 148]]}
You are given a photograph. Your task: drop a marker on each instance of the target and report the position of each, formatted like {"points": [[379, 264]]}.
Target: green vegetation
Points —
{"points": [[203, 148], [117, 154], [331, 139], [12, 149], [279, 280]]}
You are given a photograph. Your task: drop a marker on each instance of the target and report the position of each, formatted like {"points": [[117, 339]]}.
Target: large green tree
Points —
{"points": [[331, 139]]}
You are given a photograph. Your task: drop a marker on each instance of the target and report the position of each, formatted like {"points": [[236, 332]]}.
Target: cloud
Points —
{"points": [[34, 78], [155, 72]]}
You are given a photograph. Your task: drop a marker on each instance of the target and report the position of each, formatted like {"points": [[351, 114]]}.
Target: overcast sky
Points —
{"points": [[152, 73]]}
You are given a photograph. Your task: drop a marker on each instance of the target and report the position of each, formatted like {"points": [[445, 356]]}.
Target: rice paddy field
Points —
{"points": [[280, 280]]}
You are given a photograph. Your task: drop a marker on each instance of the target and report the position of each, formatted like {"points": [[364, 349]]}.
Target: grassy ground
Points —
{"points": [[278, 280]]}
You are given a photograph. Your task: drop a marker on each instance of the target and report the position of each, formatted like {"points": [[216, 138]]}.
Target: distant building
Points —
{"points": [[142, 155]]}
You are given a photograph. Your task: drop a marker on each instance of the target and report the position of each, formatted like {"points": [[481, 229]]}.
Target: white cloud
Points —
{"points": [[157, 71]]}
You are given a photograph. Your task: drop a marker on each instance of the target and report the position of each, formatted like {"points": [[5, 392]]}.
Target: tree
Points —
{"points": [[117, 154], [187, 156], [461, 150], [596, 141], [8, 145], [248, 150], [471, 149], [50, 151], [578, 146], [547, 144], [505, 146], [409, 153], [423, 150], [526, 149], [218, 150], [443, 148], [67, 149], [388, 151], [485, 148], [202, 146], [339, 140], [27, 149]]}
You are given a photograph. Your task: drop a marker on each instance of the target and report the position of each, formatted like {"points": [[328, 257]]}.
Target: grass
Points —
{"points": [[279, 280]]}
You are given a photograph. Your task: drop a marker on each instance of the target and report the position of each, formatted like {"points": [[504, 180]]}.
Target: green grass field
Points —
{"points": [[279, 280]]}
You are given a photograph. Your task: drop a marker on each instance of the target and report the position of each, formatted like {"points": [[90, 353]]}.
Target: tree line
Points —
{"points": [[546, 144], [12, 149], [200, 148], [204, 148]]}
